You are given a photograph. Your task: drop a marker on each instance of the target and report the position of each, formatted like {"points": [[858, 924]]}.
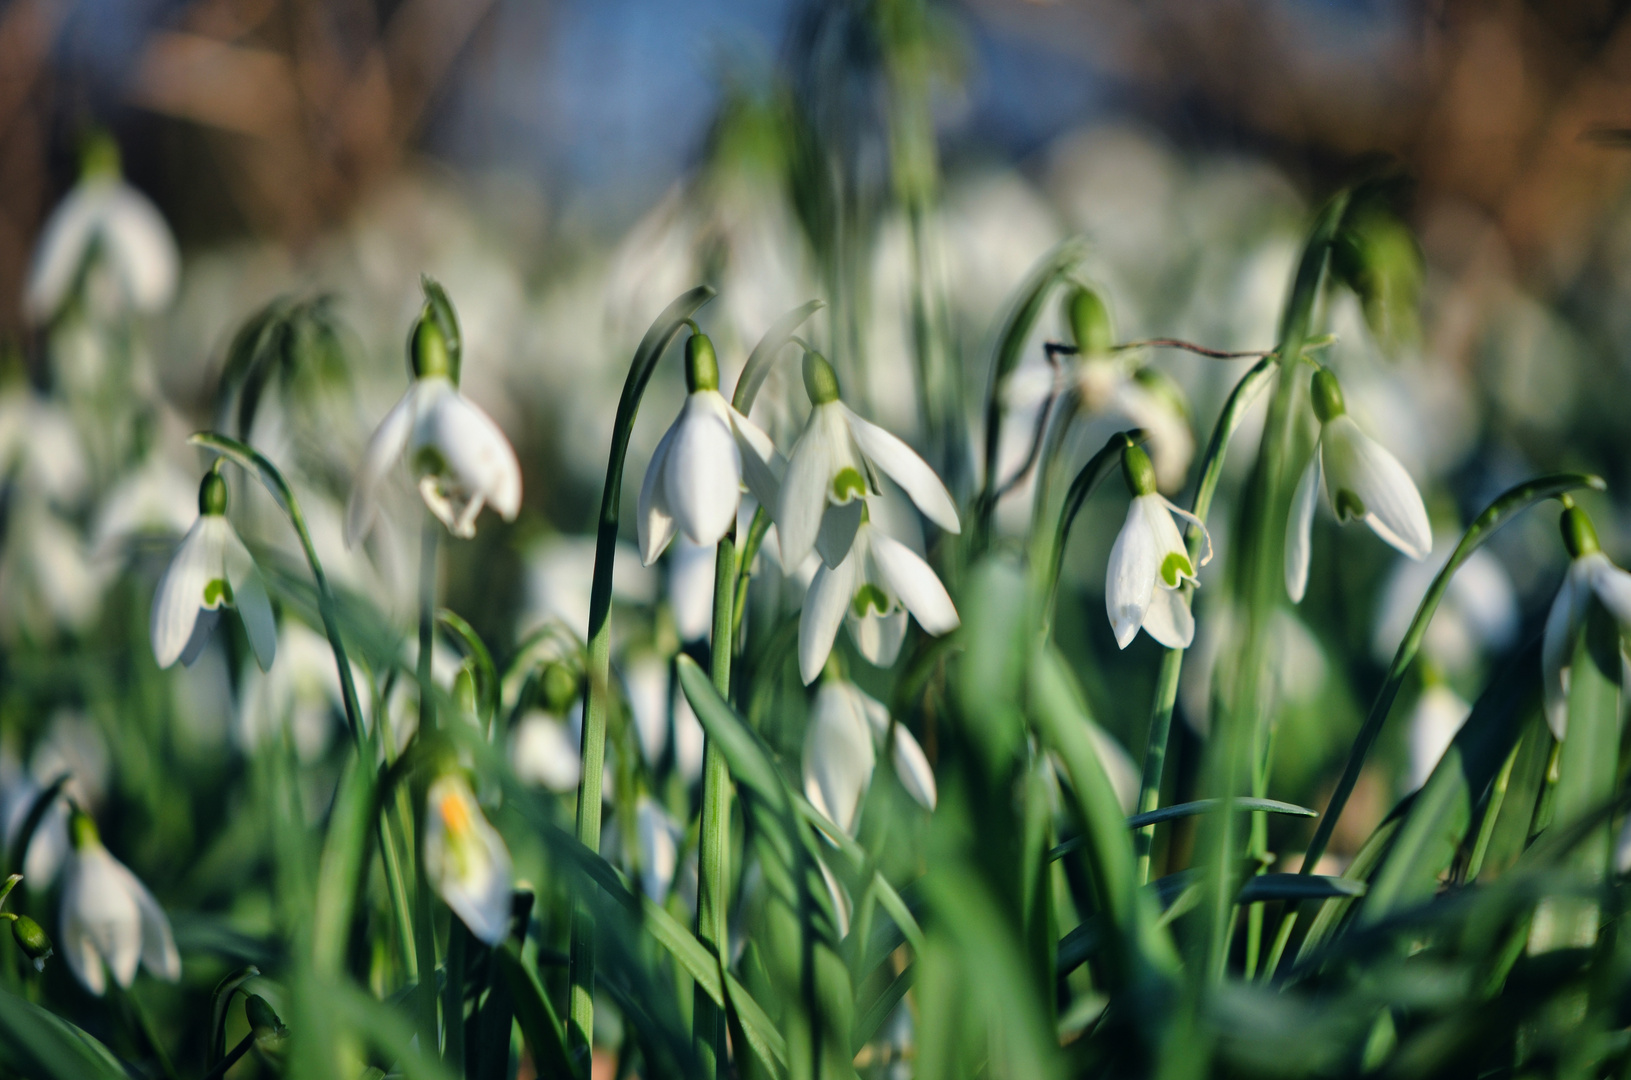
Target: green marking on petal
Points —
{"points": [[1348, 505], [1175, 566], [217, 592], [869, 597], [848, 484], [428, 461]]}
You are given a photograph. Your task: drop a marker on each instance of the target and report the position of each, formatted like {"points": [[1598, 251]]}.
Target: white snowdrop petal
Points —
{"points": [[543, 752], [824, 606], [912, 766], [838, 753], [1557, 652], [478, 455], [98, 895], [907, 576], [907, 469], [384, 449], [466, 859], [838, 527], [1393, 506], [249, 597], [1438, 715], [1612, 586], [180, 594], [1168, 619], [654, 522], [158, 943], [703, 473], [61, 250], [1300, 530], [762, 464], [659, 856], [1130, 576], [141, 246], [803, 497], [878, 638]]}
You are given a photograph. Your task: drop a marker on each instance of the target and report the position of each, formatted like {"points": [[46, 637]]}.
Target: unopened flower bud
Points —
{"points": [[99, 156], [820, 381], [1328, 403], [1089, 322], [1579, 535], [32, 940], [83, 831], [428, 349], [701, 365], [262, 1019], [212, 494], [558, 687], [1138, 471]]}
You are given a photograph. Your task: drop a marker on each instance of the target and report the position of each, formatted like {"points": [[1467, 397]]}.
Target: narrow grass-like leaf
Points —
{"points": [[1048, 557], [749, 762], [1297, 887], [39, 1044], [540, 1025], [476, 650], [388, 1030], [876, 1011]]}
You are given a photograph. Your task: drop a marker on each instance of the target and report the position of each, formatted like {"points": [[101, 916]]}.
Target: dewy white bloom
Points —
{"points": [[1361, 479], [1438, 715], [466, 859], [1149, 563], [835, 463], [1590, 574], [459, 456], [872, 589], [846, 729], [210, 569], [105, 218], [694, 482], [109, 918]]}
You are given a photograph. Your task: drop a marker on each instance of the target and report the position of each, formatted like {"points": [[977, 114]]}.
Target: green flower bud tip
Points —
{"points": [[212, 494], [262, 1018], [1579, 535], [701, 365], [558, 688], [99, 157], [1328, 403], [32, 940], [83, 830], [1089, 322], [1138, 471], [464, 690], [430, 356], [820, 381]]}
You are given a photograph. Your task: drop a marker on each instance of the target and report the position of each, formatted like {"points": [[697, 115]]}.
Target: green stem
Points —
{"points": [[744, 574], [713, 844], [232, 1057], [597, 704], [144, 1025], [423, 924], [429, 533]]}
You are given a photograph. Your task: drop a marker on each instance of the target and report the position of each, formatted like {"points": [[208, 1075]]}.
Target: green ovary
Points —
{"points": [[848, 484], [869, 598], [217, 592], [1174, 567], [1348, 505]]}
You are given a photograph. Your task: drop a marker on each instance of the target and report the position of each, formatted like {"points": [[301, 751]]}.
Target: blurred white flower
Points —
{"points": [[301, 693], [1149, 563], [210, 569], [1299, 666], [543, 750], [659, 847], [109, 918], [41, 448], [1362, 480], [835, 463], [460, 457], [846, 728], [47, 579], [1479, 610], [691, 588], [694, 481], [157, 498], [104, 219], [560, 573], [1590, 574], [1438, 715], [876, 585], [466, 859]]}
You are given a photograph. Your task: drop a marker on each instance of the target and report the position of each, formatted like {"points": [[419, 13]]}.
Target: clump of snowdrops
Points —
{"points": [[513, 869]]}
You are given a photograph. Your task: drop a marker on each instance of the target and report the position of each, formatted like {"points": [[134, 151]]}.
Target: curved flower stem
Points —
{"points": [[424, 927], [744, 573], [1498, 513], [713, 844], [581, 966], [1166, 686]]}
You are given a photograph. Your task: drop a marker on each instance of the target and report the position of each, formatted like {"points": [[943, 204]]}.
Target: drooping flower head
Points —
{"points": [[466, 860], [108, 236], [1590, 575], [460, 458], [835, 463], [874, 586], [847, 728], [211, 569], [110, 922], [1363, 482], [1149, 563], [695, 479]]}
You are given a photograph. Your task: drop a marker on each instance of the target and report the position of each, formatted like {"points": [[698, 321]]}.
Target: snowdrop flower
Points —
{"points": [[694, 482], [1149, 563], [210, 569], [846, 728], [460, 457], [109, 918], [1438, 715], [106, 219], [835, 464], [1590, 574], [466, 859], [543, 752], [872, 589], [1362, 481], [301, 694], [691, 588]]}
